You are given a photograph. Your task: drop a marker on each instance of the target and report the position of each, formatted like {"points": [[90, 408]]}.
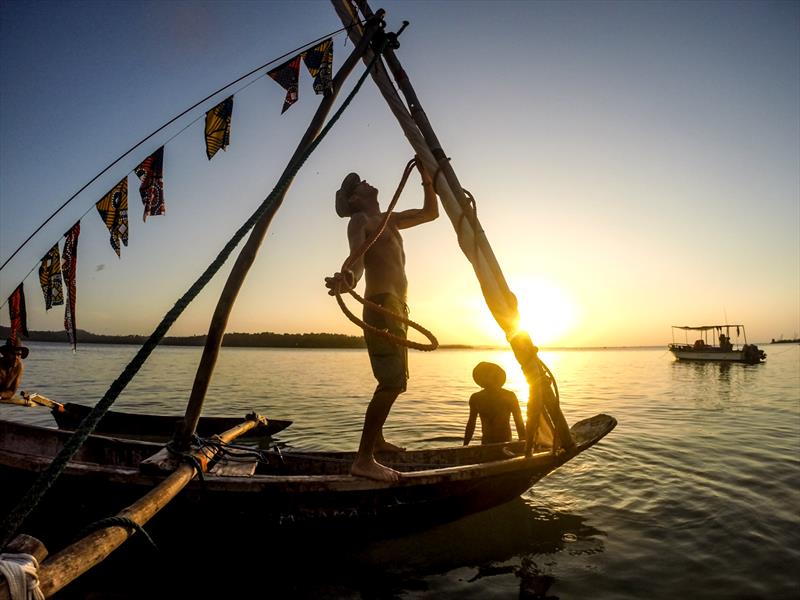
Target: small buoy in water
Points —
{"points": [[569, 537]]}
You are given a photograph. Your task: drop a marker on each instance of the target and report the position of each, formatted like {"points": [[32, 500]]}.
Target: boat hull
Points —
{"points": [[156, 427], [437, 485], [715, 355]]}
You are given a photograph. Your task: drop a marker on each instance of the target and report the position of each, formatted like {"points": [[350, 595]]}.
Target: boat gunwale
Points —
{"points": [[341, 482]]}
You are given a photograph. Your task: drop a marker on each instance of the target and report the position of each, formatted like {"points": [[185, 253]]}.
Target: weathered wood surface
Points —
{"points": [[33, 399]]}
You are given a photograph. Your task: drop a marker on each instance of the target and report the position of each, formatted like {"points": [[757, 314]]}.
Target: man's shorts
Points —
{"points": [[389, 360]]}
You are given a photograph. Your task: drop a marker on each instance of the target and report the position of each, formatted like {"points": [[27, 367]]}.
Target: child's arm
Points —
{"points": [[473, 416], [517, 416]]}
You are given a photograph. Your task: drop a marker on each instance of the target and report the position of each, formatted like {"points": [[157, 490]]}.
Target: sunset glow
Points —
{"points": [[547, 313]]}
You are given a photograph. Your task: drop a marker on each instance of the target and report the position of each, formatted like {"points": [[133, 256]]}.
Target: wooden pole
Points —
{"points": [[472, 239], [26, 399], [76, 559], [244, 261]]}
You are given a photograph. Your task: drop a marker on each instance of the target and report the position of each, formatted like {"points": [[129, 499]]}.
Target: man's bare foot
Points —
{"points": [[373, 470], [384, 446]]}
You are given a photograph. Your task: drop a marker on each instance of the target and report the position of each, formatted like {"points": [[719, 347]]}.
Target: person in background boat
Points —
{"points": [[383, 267], [725, 343], [494, 405], [11, 368]]}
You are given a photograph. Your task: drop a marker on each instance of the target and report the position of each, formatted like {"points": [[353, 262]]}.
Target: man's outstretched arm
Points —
{"points": [[430, 206]]}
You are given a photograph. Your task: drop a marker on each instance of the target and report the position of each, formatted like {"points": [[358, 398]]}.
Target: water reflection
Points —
{"points": [[514, 546]]}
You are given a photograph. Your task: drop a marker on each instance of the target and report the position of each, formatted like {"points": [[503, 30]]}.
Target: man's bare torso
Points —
{"points": [[384, 262]]}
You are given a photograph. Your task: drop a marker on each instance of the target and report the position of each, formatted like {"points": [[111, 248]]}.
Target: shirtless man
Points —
{"points": [[11, 368], [383, 267], [494, 405]]}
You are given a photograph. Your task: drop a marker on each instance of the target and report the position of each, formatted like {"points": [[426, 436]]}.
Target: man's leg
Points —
{"points": [[365, 464]]}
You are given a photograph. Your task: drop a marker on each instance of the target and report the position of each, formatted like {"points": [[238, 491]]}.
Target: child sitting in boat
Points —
{"points": [[494, 405]]}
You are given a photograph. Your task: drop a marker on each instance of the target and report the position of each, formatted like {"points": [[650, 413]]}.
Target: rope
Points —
{"points": [[47, 477], [434, 343], [117, 522], [21, 572]]}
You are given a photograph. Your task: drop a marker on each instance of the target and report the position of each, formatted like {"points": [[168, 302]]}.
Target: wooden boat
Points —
{"points": [[263, 488], [155, 427], [705, 349], [279, 489]]}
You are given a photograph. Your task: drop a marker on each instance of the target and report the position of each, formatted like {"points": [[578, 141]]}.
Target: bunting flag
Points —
{"points": [[151, 174], [113, 209], [287, 76], [70, 269], [218, 127], [17, 314], [50, 278], [319, 62]]}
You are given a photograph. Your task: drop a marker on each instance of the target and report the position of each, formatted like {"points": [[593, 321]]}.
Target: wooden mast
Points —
{"points": [[244, 261], [472, 239]]}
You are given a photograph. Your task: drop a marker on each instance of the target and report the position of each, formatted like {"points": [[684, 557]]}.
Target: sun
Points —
{"points": [[547, 312]]}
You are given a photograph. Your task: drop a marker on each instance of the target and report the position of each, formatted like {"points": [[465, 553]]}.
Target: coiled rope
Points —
{"points": [[47, 477], [362, 250]]}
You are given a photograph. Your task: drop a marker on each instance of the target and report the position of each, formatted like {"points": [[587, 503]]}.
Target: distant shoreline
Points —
{"points": [[268, 339]]}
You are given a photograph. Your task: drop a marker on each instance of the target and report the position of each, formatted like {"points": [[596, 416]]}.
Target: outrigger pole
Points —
{"points": [[543, 405], [244, 261]]}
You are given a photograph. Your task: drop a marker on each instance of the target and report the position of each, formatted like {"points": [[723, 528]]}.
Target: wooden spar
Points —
{"points": [[472, 239], [76, 559], [34, 399], [246, 257]]}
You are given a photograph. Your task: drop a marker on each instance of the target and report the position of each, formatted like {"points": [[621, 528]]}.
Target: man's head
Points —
{"points": [[354, 196], [11, 349]]}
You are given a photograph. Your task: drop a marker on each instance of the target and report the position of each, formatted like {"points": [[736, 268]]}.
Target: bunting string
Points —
{"points": [[167, 124], [113, 206]]}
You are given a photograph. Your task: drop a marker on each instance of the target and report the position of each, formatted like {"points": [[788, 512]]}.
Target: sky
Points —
{"points": [[636, 165]]}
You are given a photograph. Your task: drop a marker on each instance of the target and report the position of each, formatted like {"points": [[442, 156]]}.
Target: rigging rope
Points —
{"points": [[362, 250], [164, 126], [47, 477]]}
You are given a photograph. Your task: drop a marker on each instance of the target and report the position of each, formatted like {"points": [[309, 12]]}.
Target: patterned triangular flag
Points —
{"points": [[218, 127], [319, 62], [287, 76], [113, 209], [17, 314], [151, 174], [69, 261], [50, 278]]}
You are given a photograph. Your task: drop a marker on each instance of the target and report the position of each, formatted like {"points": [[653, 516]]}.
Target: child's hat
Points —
{"points": [[488, 374]]}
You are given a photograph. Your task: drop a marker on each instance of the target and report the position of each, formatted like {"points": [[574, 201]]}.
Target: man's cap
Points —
{"points": [[10, 348], [488, 375], [343, 194]]}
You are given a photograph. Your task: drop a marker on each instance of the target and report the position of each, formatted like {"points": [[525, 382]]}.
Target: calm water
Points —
{"points": [[696, 494]]}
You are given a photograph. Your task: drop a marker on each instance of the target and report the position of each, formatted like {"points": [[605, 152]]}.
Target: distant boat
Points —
{"points": [[783, 341], [704, 347]]}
